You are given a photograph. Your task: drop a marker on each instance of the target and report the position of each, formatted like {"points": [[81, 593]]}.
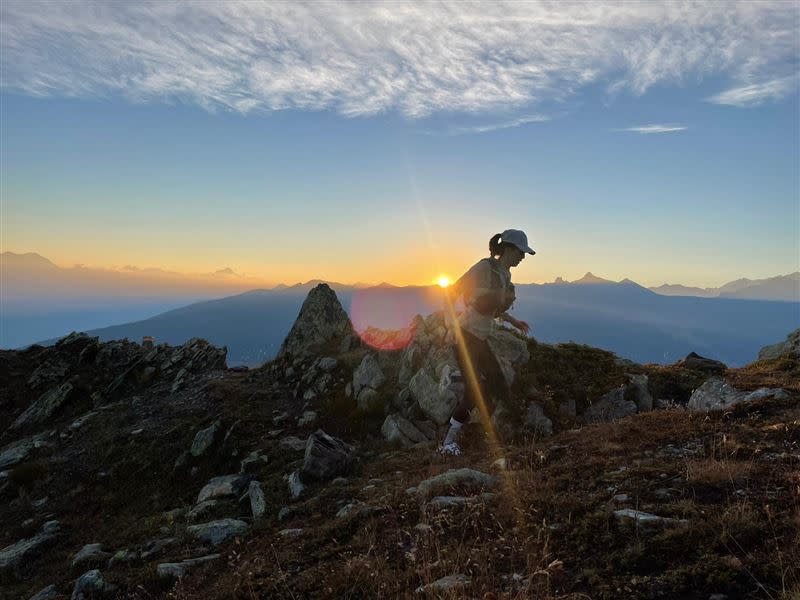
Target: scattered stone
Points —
{"points": [[436, 402], [326, 456], [340, 481], [82, 420], [14, 556], [90, 555], [285, 513], [467, 479], [349, 509], [646, 521], [253, 462], [296, 487], [327, 364], [700, 363], [536, 420], [423, 527], [48, 593], [43, 408], [368, 375], [258, 504], [293, 443], [639, 393], [123, 557], [178, 570], [309, 417], [205, 438], [290, 533], [459, 501], [621, 498], [217, 532], [610, 407], [18, 451], [224, 486], [156, 547], [717, 394], [91, 585], [399, 430], [203, 510], [501, 464], [665, 493], [445, 584]]}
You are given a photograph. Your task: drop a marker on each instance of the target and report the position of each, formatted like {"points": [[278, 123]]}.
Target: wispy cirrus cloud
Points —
{"points": [[485, 128], [649, 129], [416, 59], [757, 93]]}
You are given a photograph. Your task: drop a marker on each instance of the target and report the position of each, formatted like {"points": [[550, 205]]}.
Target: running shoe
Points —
{"points": [[452, 449]]}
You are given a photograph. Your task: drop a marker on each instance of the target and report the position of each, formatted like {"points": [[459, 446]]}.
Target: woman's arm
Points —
{"points": [[521, 325]]}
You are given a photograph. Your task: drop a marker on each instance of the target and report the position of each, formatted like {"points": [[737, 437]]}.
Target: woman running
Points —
{"points": [[488, 293]]}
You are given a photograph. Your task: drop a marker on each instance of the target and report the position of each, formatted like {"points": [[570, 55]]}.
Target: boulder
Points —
{"points": [[309, 417], [399, 430], [436, 401], [179, 569], [639, 393], [91, 586], [296, 486], [537, 421], [18, 451], [461, 479], [326, 456], [205, 438], [217, 532], [368, 400], [716, 394], [789, 347], [90, 555], [646, 521], [43, 408], [459, 501], [224, 486], [700, 363], [322, 320], [48, 593], [253, 462], [13, 557], [327, 364], [445, 585], [368, 374], [510, 349], [610, 407], [258, 504]]}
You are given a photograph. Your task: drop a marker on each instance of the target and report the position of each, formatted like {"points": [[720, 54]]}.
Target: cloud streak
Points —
{"points": [[369, 58], [756, 93], [650, 129]]}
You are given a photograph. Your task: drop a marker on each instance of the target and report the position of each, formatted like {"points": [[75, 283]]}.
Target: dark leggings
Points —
{"points": [[490, 376]]}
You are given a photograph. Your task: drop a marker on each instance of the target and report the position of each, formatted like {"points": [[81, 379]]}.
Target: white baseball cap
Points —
{"points": [[518, 239]]}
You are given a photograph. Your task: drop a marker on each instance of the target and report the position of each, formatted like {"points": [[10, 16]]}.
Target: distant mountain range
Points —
{"points": [[41, 302]]}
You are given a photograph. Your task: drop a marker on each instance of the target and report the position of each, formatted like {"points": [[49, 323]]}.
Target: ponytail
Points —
{"points": [[495, 248]]}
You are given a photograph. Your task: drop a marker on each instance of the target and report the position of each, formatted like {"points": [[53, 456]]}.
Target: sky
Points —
{"points": [[369, 142]]}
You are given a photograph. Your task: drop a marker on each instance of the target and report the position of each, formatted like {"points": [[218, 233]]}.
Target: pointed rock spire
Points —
{"points": [[321, 321]]}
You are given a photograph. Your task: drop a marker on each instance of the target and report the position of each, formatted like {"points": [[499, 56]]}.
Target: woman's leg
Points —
{"points": [[471, 354]]}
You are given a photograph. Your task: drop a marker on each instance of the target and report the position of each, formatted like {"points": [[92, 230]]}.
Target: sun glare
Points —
{"points": [[443, 281]]}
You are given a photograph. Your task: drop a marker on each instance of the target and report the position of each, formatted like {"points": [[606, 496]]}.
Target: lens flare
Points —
{"points": [[443, 281]]}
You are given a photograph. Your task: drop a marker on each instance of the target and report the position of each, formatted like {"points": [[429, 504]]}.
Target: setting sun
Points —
{"points": [[443, 281]]}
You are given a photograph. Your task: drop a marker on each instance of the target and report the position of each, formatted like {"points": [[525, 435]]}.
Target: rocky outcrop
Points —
{"points": [[217, 532], [458, 479], [789, 347], [398, 430], [367, 379], [18, 451], [610, 407], [700, 363], [224, 486], [90, 555], [14, 557], [717, 394], [326, 457], [43, 408], [322, 321], [92, 586], [205, 439]]}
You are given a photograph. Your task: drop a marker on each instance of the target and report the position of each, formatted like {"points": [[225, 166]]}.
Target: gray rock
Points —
{"points": [[285, 513], [309, 418], [445, 584], [217, 532], [458, 501], [156, 547], [253, 462], [511, 351], [700, 363], [179, 569], [326, 456], [348, 389], [258, 504], [290, 533], [436, 402], [205, 438], [123, 557], [43, 408], [398, 430], [203, 510], [368, 400], [537, 421], [349, 509], [717, 394], [610, 407], [89, 555], [321, 321], [14, 556], [91, 586], [293, 443], [790, 346], [646, 521], [224, 486], [327, 364], [368, 374], [18, 451], [639, 393], [296, 487], [48, 593], [466, 479]]}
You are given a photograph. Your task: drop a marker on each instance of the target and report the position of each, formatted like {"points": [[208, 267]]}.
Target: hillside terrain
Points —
{"points": [[130, 471]]}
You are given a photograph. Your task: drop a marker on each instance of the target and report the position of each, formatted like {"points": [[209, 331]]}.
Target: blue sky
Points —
{"points": [[655, 143]]}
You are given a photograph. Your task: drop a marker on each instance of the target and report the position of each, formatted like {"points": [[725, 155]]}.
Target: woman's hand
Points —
{"points": [[522, 326]]}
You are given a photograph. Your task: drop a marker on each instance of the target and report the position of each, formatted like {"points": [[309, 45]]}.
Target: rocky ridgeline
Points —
{"points": [[85, 411]]}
